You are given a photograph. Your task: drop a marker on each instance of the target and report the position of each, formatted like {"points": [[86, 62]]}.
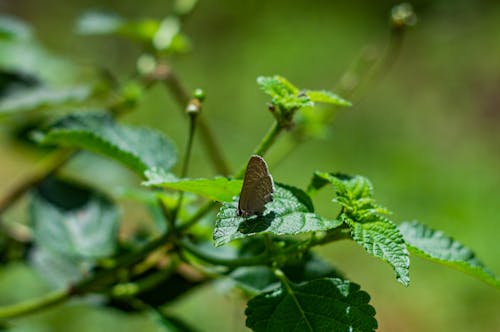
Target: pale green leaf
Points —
{"points": [[440, 248], [323, 96], [290, 212], [218, 189], [41, 97], [137, 148], [73, 221], [283, 93], [327, 304]]}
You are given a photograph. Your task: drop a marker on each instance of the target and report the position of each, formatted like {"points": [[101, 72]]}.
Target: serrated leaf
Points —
{"points": [[40, 97], [323, 96], [328, 304], [381, 238], [440, 248], [137, 148], [290, 212], [218, 189], [378, 235], [73, 221]]}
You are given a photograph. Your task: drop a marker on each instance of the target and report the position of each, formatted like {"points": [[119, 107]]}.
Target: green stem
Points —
{"points": [[228, 262], [208, 139], [200, 213], [264, 145], [34, 305]]}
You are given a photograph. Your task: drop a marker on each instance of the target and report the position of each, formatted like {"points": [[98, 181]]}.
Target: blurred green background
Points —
{"points": [[427, 133]]}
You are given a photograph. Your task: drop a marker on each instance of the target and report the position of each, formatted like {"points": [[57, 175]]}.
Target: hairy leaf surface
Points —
{"points": [[137, 148], [290, 212], [327, 304]]}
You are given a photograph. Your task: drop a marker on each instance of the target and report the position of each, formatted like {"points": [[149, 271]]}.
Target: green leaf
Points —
{"points": [[168, 323], [217, 189], [100, 23], [73, 221], [381, 238], [40, 97], [137, 148], [13, 28], [440, 248], [290, 212], [283, 93], [378, 235], [162, 35], [323, 96], [327, 304]]}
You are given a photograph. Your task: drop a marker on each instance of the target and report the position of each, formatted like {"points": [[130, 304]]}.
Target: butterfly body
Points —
{"points": [[258, 188]]}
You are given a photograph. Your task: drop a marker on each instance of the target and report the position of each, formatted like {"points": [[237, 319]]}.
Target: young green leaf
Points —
{"points": [[378, 235], [327, 97], [283, 93], [327, 304], [438, 247], [73, 221], [40, 97], [137, 148], [218, 189], [290, 212]]}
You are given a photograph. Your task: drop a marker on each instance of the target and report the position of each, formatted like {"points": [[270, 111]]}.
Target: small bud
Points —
{"points": [[146, 64], [271, 107], [194, 106], [199, 94], [403, 15]]}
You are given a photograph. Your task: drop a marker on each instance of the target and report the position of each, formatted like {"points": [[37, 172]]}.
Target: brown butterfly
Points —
{"points": [[258, 188]]}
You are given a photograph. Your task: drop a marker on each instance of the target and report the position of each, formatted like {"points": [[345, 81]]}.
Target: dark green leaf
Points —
{"points": [[73, 221], [290, 212], [322, 96], [32, 99], [438, 247], [137, 148], [327, 304], [218, 189]]}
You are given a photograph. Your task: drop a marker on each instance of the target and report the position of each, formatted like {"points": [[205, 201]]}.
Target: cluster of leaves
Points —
{"points": [[74, 226]]}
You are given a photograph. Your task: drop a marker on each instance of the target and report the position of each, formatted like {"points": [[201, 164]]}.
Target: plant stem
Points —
{"points": [[47, 167], [228, 262], [264, 145], [185, 166], [181, 96], [34, 305], [200, 213]]}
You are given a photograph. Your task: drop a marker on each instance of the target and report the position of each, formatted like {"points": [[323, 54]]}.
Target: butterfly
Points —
{"points": [[258, 188]]}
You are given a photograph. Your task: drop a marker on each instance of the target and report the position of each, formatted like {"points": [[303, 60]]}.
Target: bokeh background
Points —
{"points": [[426, 132]]}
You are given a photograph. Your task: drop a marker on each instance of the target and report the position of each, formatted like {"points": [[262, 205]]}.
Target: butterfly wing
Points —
{"points": [[257, 189]]}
